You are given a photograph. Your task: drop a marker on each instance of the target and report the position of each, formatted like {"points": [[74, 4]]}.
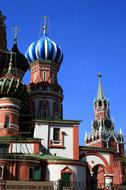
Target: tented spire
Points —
{"points": [[100, 95]]}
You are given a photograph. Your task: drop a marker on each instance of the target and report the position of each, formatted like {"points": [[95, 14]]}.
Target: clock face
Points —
{"points": [[108, 123], [95, 124]]}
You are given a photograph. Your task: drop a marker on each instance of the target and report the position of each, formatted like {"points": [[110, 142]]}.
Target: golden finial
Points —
{"points": [[16, 30]]}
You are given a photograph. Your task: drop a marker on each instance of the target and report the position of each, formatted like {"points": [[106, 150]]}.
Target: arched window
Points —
{"points": [[67, 177], [6, 122], [105, 104], [44, 111], [100, 103]]}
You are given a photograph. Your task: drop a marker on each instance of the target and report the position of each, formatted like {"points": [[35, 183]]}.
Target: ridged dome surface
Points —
{"points": [[19, 60], [44, 49], [12, 87]]}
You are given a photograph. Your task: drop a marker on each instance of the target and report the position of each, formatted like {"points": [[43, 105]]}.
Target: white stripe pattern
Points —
{"points": [[44, 48]]}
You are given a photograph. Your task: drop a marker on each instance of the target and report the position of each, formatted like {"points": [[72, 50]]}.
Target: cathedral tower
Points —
{"points": [[3, 40], [46, 95], [13, 65]]}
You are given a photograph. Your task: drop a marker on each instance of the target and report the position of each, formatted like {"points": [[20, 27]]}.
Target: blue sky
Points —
{"points": [[92, 34]]}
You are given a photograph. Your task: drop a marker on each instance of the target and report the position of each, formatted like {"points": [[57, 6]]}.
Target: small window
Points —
{"points": [[56, 134], [66, 177], [44, 75], [31, 173], [100, 103], [6, 122]]}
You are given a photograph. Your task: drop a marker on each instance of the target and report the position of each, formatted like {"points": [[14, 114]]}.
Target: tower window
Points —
{"points": [[6, 122], [56, 134], [44, 111], [44, 75], [100, 103]]}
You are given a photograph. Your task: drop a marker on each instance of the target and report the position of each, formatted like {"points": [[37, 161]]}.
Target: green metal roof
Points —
{"points": [[17, 139]]}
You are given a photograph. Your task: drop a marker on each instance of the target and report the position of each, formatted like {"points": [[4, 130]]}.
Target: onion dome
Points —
{"points": [[18, 59], [44, 49], [10, 86]]}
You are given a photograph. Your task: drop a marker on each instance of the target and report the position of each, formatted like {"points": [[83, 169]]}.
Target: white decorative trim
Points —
{"points": [[6, 104]]}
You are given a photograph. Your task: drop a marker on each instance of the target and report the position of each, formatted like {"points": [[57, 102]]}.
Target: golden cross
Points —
{"points": [[45, 24]]}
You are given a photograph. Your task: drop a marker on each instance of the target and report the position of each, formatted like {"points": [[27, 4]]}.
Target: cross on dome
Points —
{"points": [[16, 30], [45, 24]]}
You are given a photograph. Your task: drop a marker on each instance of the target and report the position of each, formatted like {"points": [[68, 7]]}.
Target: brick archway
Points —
{"points": [[101, 157]]}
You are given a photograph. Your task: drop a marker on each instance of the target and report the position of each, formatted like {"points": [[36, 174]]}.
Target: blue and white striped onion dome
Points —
{"points": [[44, 49]]}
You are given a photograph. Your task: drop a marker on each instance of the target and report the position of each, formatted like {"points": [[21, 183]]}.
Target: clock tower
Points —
{"points": [[103, 134]]}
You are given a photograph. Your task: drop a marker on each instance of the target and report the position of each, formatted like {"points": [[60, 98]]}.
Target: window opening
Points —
{"points": [[56, 134], [66, 177], [44, 75], [6, 122], [31, 173]]}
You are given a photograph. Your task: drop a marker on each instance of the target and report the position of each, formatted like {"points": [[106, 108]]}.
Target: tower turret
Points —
{"points": [[101, 109], [45, 58], [20, 64], [103, 134], [12, 92]]}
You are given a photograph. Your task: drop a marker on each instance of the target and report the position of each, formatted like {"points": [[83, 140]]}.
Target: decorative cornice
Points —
{"points": [[72, 123]]}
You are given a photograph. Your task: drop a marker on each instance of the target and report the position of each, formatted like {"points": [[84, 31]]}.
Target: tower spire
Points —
{"points": [[16, 30], [45, 24], [100, 94]]}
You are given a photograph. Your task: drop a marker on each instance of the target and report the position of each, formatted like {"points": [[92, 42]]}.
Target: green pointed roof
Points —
{"points": [[100, 94]]}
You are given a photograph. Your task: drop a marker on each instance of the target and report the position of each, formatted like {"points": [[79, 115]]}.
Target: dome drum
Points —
{"points": [[9, 116], [46, 88]]}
